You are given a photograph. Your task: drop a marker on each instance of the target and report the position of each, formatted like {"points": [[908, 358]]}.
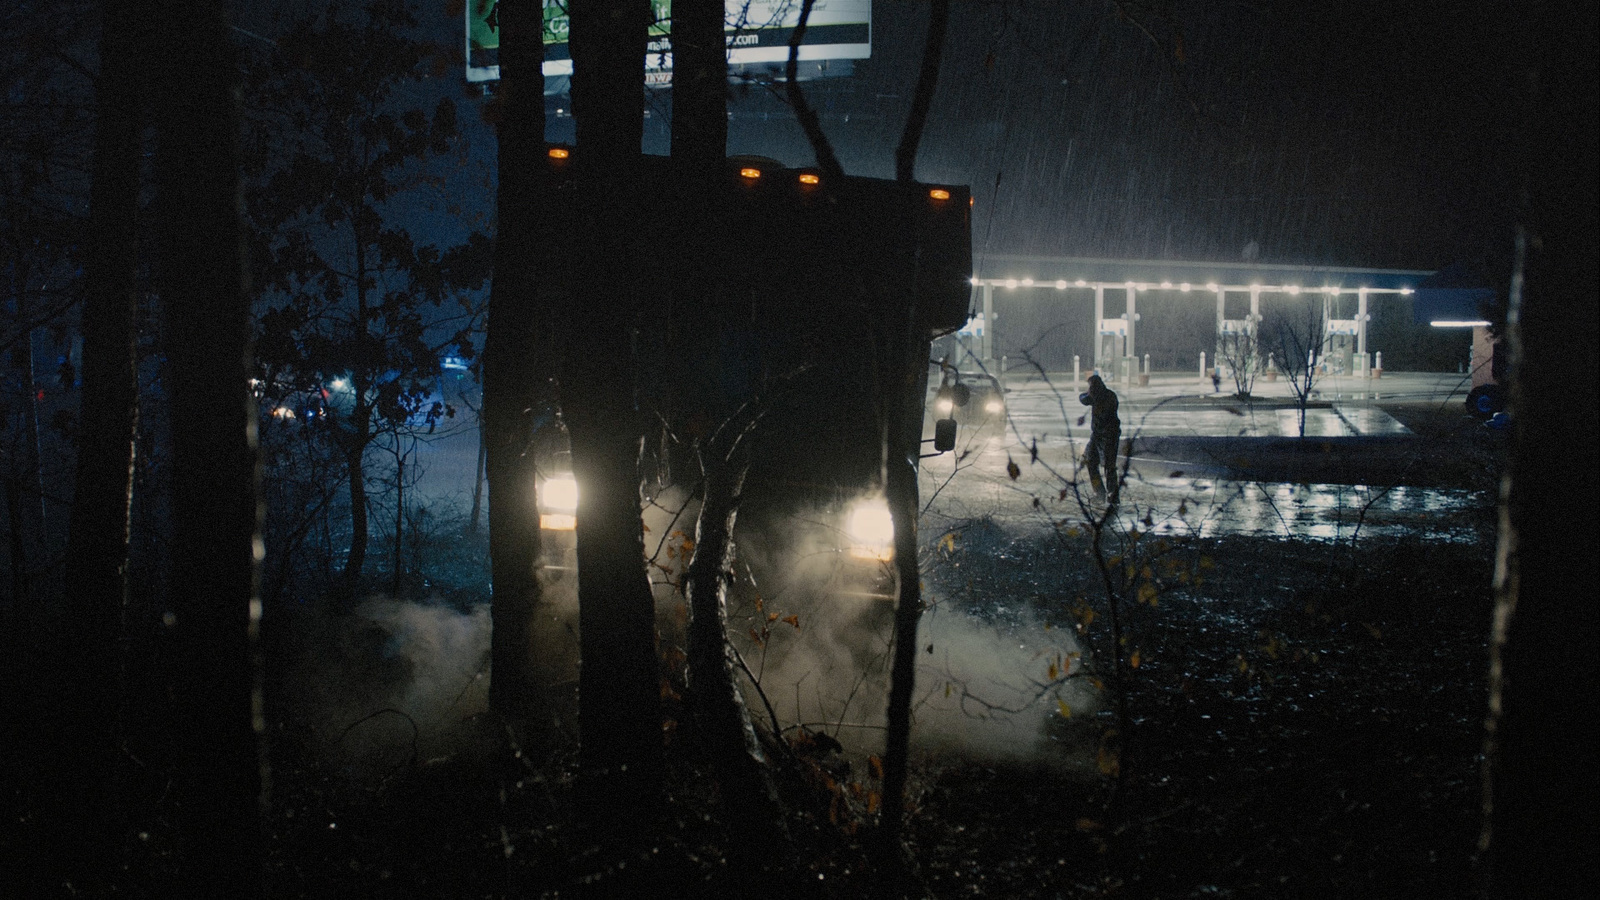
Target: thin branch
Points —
{"points": [[826, 160]]}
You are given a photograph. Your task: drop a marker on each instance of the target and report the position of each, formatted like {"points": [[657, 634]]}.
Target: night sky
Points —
{"points": [[1362, 134]]}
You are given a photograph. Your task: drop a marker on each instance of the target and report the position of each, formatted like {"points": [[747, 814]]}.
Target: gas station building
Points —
{"points": [[1115, 315]]}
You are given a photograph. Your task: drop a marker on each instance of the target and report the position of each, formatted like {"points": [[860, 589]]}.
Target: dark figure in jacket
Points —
{"points": [[1104, 432]]}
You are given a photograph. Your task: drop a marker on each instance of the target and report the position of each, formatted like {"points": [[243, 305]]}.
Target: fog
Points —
{"points": [[395, 682], [388, 683]]}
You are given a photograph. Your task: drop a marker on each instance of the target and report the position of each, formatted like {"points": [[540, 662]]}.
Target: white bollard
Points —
{"points": [[1202, 367], [1075, 379]]}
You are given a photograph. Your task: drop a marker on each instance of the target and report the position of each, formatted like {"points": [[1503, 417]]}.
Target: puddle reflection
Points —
{"points": [[1335, 512]]}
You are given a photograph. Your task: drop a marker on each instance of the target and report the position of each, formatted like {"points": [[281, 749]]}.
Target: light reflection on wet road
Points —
{"points": [[1042, 423]]}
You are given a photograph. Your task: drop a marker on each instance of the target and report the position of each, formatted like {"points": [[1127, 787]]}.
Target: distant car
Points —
{"points": [[970, 397]]}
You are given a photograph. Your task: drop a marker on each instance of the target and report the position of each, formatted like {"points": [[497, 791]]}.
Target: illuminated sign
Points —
{"points": [[758, 33]]}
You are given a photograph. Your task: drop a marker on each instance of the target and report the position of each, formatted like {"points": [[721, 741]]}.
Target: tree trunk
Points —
{"points": [[900, 487], [1540, 823], [95, 583], [511, 366], [397, 574], [213, 679], [24, 485], [478, 476], [355, 464], [721, 720], [905, 155], [908, 372], [821, 147], [699, 84], [619, 692], [699, 146]]}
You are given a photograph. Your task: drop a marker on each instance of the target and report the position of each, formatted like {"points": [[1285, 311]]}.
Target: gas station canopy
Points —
{"points": [[1213, 280], [1063, 272]]}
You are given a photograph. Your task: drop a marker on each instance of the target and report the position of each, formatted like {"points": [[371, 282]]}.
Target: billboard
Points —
{"points": [[758, 33]]}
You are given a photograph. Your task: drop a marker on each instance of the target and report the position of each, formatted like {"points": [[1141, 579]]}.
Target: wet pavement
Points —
{"points": [[1180, 479], [1184, 405], [1184, 433]]}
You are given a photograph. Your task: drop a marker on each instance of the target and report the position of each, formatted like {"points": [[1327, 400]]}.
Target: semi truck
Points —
{"points": [[812, 300]]}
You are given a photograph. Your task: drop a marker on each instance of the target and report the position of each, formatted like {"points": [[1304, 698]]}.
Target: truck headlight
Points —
{"points": [[993, 405], [558, 503], [943, 405], [871, 530]]}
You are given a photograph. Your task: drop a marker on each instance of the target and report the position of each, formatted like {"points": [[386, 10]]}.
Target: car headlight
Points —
{"points": [[993, 405], [558, 503], [871, 530], [943, 406]]}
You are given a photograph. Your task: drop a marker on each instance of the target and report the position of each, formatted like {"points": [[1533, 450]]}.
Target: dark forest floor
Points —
{"points": [[1306, 722], [1286, 740]]}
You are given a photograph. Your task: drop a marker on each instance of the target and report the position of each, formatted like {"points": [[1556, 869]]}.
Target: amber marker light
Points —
{"points": [[559, 153], [749, 173], [808, 178], [939, 194]]}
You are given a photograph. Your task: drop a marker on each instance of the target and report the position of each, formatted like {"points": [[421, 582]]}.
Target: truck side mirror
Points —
{"points": [[944, 435]]}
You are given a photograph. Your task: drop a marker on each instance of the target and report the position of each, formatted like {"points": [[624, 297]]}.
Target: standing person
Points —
{"points": [[1105, 431]]}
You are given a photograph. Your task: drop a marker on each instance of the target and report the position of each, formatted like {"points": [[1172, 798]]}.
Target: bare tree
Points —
{"points": [[699, 138], [360, 308], [1241, 353], [1294, 336], [45, 147], [903, 443]]}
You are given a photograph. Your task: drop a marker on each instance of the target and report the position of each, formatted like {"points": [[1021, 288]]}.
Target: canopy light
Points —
{"points": [[1405, 291], [749, 173], [1184, 287], [1027, 282], [1459, 323], [808, 178], [1061, 284], [559, 153], [939, 194]]}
